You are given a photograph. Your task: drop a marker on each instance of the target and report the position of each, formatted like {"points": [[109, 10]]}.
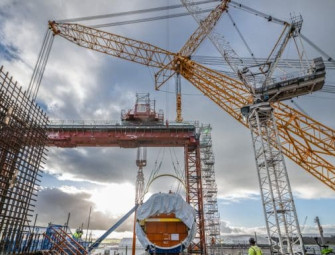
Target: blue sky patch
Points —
{"points": [[8, 52]]}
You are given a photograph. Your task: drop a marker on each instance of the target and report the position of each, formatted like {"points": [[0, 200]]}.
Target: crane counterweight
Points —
{"points": [[294, 85]]}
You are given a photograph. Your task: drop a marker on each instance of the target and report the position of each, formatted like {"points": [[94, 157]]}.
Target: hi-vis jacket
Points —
{"points": [[255, 250]]}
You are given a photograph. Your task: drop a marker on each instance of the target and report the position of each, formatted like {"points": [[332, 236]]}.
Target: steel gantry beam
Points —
{"points": [[116, 135]]}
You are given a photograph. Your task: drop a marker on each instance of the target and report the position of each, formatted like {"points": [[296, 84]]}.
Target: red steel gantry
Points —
{"points": [[69, 134]]}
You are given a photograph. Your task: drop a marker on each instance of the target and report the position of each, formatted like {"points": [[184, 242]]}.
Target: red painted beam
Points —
{"points": [[121, 136]]}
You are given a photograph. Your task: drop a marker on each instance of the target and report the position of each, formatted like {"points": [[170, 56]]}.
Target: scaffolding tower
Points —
{"points": [[22, 151], [211, 211]]}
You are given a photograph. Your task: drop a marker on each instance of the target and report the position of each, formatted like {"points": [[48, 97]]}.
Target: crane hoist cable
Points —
{"points": [[175, 164], [118, 14], [158, 164]]}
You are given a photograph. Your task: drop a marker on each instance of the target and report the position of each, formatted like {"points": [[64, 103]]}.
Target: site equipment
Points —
{"points": [[304, 140]]}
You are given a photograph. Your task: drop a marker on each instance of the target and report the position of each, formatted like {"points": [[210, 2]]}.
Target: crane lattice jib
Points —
{"points": [[192, 43], [304, 140], [203, 30], [115, 45]]}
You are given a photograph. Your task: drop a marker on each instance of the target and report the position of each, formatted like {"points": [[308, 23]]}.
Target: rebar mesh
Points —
{"points": [[22, 153]]}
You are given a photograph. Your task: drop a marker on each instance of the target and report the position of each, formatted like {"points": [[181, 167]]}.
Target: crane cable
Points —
{"points": [[40, 65], [328, 88], [242, 37], [156, 168], [177, 170], [118, 14], [127, 22], [329, 58], [299, 108], [213, 60], [257, 13]]}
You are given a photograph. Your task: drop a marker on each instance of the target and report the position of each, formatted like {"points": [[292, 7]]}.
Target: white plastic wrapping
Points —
{"points": [[166, 203]]}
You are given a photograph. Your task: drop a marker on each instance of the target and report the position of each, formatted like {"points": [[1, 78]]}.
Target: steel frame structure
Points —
{"points": [[278, 204], [22, 153]]}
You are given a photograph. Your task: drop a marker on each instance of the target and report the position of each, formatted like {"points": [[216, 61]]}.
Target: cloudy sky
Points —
{"points": [[81, 84]]}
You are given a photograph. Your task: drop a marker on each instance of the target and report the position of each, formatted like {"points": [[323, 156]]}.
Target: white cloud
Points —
{"points": [[309, 230], [114, 234], [114, 199], [307, 191], [227, 228], [239, 194]]}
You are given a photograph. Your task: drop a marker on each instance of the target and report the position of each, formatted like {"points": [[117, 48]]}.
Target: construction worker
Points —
{"points": [[254, 249], [77, 235]]}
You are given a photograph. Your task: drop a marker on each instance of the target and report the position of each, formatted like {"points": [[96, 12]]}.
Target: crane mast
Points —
{"points": [[278, 204]]}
